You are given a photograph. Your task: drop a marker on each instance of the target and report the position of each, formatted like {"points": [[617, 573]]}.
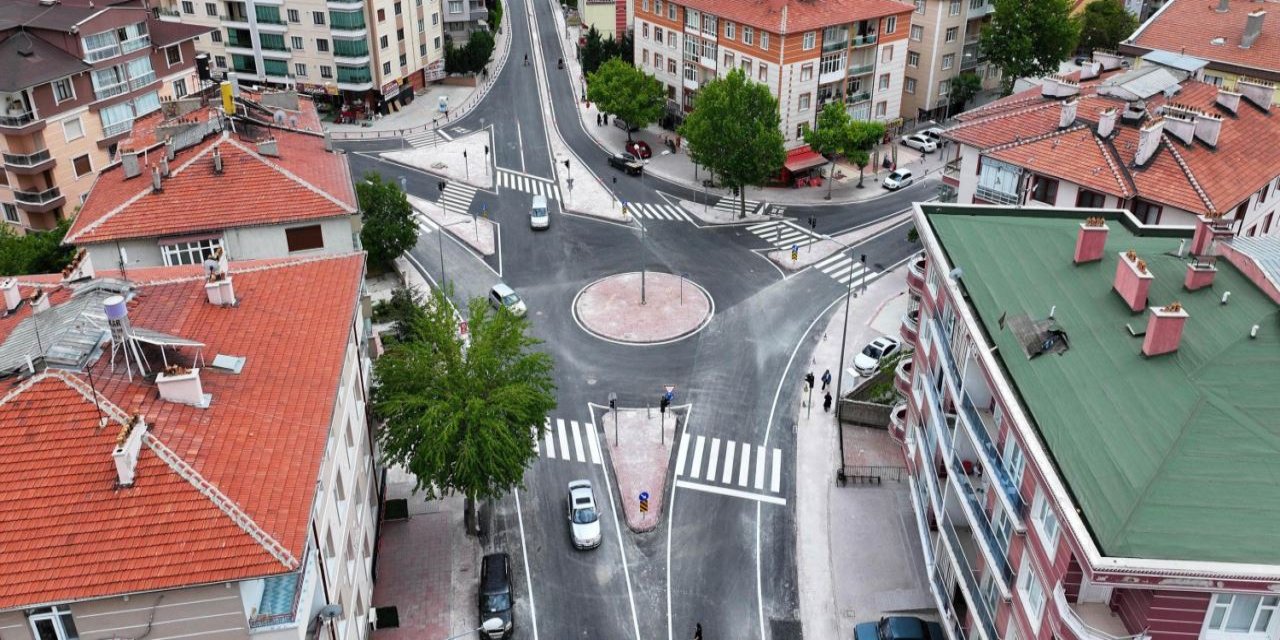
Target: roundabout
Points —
{"points": [[643, 308]]}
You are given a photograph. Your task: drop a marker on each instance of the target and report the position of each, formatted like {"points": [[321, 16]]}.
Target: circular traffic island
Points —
{"points": [[673, 308]]}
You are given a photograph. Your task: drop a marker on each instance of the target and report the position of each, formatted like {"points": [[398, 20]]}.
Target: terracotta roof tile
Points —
{"points": [[1076, 155], [796, 16], [1189, 27]]}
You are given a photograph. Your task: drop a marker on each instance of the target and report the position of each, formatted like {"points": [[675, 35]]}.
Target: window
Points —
{"points": [[383, 42], [400, 35], [1045, 190], [913, 58], [944, 87], [11, 212], [954, 8], [671, 11], [293, 15], [764, 72], [1238, 613], [805, 100], [748, 35], [644, 30], [810, 39], [829, 63], [435, 19], [729, 30], [657, 61], [215, 36], [917, 32], [382, 15], [53, 623], [386, 67], [645, 5], [764, 40], [671, 66], [657, 7], [296, 43], [1012, 456], [657, 34], [404, 60], [179, 88], [63, 91], [728, 60], [806, 73], [891, 24], [192, 252], [188, 6], [322, 45], [299, 69], [221, 61], [948, 61], [1090, 199], [882, 109], [952, 34], [399, 9], [644, 57], [691, 18], [920, 6], [437, 43], [883, 83], [671, 39], [909, 85], [1032, 591], [422, 50], [1046, 522], [886, 54], [326, 71], [317, 17], [304, 238]]}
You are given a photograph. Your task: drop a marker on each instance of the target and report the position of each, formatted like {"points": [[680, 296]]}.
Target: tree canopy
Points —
{"points": [[626, 92], [598, 50], [733, 131], [388, 228], [863, 137], [462, 416], [831, 135], [1104, 23], [471, 57], [963, 88], [35, 252], [1029, 38]]}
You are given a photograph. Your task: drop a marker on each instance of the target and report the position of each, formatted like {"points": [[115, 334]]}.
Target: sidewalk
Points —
{"points": [[860, 557]]}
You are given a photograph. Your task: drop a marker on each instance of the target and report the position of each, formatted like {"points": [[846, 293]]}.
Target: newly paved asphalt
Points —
{"points": [[727, 561]]}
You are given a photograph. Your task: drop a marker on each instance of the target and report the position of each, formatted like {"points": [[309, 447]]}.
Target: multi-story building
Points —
{"points": [[196, 183], [186, 452], [1232, 37], [942, 44], [1090, 428], [808, 54], [363, 50], [1151, 140], [461, 17], [72, 80]]}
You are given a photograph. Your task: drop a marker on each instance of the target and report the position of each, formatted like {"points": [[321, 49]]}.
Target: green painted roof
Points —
{"points": [[1175, 457]]}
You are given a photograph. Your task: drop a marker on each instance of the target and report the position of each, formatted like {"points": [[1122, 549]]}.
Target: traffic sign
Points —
{"points": [[644, 495], [644, 502], [671, 388]]}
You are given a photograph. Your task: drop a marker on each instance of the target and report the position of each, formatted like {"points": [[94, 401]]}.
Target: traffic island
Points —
{"points": [[643, 309], [640, 443]]}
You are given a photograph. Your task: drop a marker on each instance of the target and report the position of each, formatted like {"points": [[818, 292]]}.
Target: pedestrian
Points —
{"points": [[697, 631], [826, 403], [808, 379], [826, 379], [598, 120]]}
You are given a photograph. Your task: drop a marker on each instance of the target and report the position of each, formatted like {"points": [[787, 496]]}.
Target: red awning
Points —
{"points": [[806, 159]]}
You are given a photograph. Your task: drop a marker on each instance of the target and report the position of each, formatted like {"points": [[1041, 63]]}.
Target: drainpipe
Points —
{"points": [[324, 579]]}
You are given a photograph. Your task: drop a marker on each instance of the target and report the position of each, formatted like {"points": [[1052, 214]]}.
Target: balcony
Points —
{"points": [[832, 47], [167, 14], [996, 197], [98, 55], [902, 376], [133, 44], [111, 130], [910, 328], [111, 90], [345, 5], [1088, 620], [915, 276], [29, 163], [898, 420], [991, 459], [951, 173], [235, 20], [864, 41], [20, 122], [279, 603], [855, 98], [39, 201], [968, 579], [861, 70], [996, 552], [142, 80]]}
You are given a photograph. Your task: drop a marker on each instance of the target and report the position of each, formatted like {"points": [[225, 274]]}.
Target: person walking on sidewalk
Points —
{"points": [[697, 631], [826, 379], [826, 403]]}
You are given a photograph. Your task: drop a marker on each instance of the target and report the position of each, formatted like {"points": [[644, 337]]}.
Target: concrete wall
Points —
{"points": [[246, 243], [210, 612]]}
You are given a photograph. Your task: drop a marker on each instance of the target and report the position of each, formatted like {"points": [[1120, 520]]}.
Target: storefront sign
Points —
{"points": [[434, 71], [390, 89]]}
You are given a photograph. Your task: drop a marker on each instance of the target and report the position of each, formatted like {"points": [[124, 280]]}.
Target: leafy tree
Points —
{"points": [[593, 52], [734, 132], [863, 137], [1104, 23], [831, 136], [626, 92], [388, 229], [471, 57], [35, 252], [495, 15], [462, 417], [963, 88], [1029, 38]]}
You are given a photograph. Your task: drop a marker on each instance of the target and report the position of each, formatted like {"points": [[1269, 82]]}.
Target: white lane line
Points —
{"points": [[714, 460], [760, 462], [775, 484], [725, 491], [830, 262], [728, 461], [577, 441], [696, 471], [550, 436], [528, 575], [744, 465], [564, 439], [617, 529], [593, 441], [537, 451], [684, 449], [762, 225]]}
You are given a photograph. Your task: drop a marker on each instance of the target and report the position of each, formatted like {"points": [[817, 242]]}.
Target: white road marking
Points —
{"points": [[696, 471], [537, 450], [725, 491], [744, 465], [684, 449], [551, 449], [593, 442], [617, 530], [715, 458], [728, 461], [775, 485], [564, 439], [528, 575], [577, 441], [760, 467]]}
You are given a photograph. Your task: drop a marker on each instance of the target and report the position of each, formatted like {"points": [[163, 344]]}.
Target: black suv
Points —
{"points": [[496, 597]]}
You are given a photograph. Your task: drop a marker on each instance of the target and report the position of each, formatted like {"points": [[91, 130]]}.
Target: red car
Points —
{"points": [[640, 149]]}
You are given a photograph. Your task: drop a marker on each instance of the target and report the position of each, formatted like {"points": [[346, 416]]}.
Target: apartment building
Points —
{"points": [[1232, 37], [73, 78], [808, 54], [372, 51], [462, 17], [187, 452], [942, 44], [1088, 426], [1152, 140]]}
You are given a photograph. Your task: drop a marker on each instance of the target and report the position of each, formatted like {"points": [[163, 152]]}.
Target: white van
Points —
{"points": [[539, 218]]}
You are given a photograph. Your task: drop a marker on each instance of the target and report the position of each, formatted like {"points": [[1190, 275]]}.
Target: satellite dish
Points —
{"points": [[330, 612], [956, 273], [279, 116]]}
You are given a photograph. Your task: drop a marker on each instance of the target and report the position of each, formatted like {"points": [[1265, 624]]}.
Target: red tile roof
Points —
{"points": [[1075, 154], [796, 16], [1189, 27], [70, 534], [305, 182]]}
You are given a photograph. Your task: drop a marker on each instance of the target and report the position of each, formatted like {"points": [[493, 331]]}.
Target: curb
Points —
{"points": [[711, 312]]}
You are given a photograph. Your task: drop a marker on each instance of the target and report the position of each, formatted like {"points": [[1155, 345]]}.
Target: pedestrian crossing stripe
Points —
{"points": [[720, 458], [528, 184], [783, 234], [430, 137], [841, 268], [730, 205], [424, 224], [555, 442], [658, 212], [457, 197]]}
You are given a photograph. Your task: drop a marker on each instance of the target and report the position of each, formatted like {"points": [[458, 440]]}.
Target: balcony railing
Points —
{"points": [[118, 128], [862, 41], [968, 583], [103, 53], [37, 197], [142, 80], [276, 593], [996, 197], [17, 119], [991, 459], [951, 169], [832, 47], [111, 90], [977, 516], [861, 69], [1081, 629], [133, 44], [854, 98], [27, 160]]}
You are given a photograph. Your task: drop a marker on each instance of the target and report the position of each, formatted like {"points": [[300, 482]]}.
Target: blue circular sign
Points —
{"points": [[644, 495]]}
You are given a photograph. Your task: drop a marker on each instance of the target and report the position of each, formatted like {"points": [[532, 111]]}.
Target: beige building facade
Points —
{"points": [[942, 43]]}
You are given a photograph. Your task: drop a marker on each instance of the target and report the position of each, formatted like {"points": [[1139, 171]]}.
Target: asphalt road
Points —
{"points": [[727, 561]]}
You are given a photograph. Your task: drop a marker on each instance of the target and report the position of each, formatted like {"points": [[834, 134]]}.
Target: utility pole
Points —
{"points": [[844, 337], [440, 230]]}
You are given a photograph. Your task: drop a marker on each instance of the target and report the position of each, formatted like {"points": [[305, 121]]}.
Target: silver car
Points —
{"points": [[503, 297], [584, 520], [921, 142]]}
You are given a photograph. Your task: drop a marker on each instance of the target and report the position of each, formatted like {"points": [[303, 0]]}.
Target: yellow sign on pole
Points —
{"points": [[228, 103]]}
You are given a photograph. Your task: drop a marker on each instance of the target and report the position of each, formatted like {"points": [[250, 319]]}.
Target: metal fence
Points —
{"points": [[869, 474]]}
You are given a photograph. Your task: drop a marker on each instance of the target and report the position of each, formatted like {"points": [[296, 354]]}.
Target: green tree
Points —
{"points": [[1104, 23], [626, 92], [733, 131], [35, 252], [471, 57], [1029, 38], [831, 136], [462, 417], [594, 52], [963, 88], [388, 228], [495, 15], [862, 138]]}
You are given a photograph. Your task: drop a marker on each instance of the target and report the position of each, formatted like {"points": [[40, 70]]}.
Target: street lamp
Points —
{"points": [[492, 625], [844, 334], [440, 234]]}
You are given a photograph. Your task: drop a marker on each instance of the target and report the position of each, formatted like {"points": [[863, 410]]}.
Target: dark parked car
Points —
{"points": [[627, 162], [899, 628], [640, 149], [496, 596]]}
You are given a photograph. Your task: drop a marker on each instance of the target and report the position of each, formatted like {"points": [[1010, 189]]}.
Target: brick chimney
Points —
{"points": [[1067, 112], [1148, 141], [1229, 100], [219, 289], [1164, 330], [80, 267], [1132, 281], [1091, 240], [1252, 28], [125, 453], [1258, 92], [182, 386], [1107, 121], [12, 296], [1208, 128], [1199, 274], [1208, 229]]}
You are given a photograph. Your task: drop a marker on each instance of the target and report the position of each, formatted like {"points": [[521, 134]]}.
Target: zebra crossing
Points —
{"points": [[735, 466], [568, 440], [730, 206], [457, 197], [424, 224], [842, 269], [782, 234], [658, 211], [527, 183], [430, 137]]}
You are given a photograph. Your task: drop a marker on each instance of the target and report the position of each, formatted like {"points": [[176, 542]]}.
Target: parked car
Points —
{"points": [[584, 520], [934, 134], [539, 217], [898, 179], [898, 628], [503, 297], [627, 162], [919, 141], [640, 149], [622, 124], [868, 362], [496, 598]]}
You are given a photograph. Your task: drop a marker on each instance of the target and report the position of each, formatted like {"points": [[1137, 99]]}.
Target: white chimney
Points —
{"points": [[12, 296], [1067, 115], [1208, 127], [1091, 69], [155, 180], [1049, 87], [170, 149], [125, 454], [1107, 121], [219, 290], [1228, 100], [182, 386], [217, 161], [1252, 28], [1258, 92], [1108, 59], [129, 162], [1148, 141], [164, 166], [269, 148], [1180, 127], [39, 301]]}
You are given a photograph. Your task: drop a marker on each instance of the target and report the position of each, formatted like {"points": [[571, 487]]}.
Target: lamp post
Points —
{"points": [[844, 335], [440, 231]]}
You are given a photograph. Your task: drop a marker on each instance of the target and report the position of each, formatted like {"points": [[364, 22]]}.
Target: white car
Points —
{"points": [[898, 179], [539, 218], [868, 362], [501, 296], [934, 134], [584, 520], [921, 142]]}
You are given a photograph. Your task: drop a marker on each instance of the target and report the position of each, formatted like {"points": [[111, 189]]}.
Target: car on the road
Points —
{"points": [[868, 362], [898, 179], [497, 599], [934, 134], [539, 217], [919, 141], [584, 520], [503, 297], [898, 628], [627, 162], [640, 149]]}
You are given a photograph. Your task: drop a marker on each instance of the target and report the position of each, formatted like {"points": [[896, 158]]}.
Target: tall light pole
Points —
{"points": [[644, 265], [440, 231], [844, 337]]}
